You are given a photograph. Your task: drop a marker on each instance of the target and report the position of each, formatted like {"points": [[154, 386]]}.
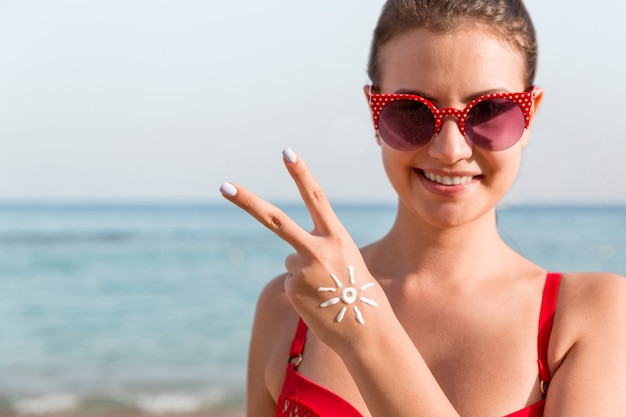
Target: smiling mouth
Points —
{"points": [[446, 180]]}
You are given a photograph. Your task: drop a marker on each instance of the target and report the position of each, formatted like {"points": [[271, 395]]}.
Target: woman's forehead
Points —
{"points": [[472, 58]]}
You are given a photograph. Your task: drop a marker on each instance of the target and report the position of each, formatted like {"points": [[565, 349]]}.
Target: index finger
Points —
{"points": [[267, 214]]}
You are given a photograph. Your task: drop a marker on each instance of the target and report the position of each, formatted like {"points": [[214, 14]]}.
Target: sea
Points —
{"points": [[149, 307]]}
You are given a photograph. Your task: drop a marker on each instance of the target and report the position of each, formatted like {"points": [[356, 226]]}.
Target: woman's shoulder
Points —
{"points": [[274, 327], [591, 295], [274, 312], [591, 310], [592, 292], [275, 322]]}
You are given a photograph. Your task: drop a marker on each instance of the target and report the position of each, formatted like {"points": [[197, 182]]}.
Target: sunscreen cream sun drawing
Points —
{"points": [[348, 296]]}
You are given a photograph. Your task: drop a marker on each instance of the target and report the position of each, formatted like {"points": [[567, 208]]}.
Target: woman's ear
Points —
{"points": [[536, 103], [367, 90], [533, 112]]}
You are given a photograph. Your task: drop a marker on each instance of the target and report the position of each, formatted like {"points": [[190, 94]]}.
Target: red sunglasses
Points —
{"points": [[493, 121]]}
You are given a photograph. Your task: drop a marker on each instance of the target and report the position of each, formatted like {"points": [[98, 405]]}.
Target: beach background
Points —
{"points": [[128, 286], [147, 309]]}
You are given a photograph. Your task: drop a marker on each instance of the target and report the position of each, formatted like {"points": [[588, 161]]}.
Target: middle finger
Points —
{"points": [[322, 214]]}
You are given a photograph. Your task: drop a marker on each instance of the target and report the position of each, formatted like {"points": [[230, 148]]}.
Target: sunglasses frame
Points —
{"points": [[524, 101]]}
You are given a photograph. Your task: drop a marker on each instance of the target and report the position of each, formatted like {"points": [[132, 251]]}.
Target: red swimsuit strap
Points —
{"points": [[297, 346], [546, 318]]}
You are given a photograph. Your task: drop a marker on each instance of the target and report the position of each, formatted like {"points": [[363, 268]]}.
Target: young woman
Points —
{"points": [[439, 317]]}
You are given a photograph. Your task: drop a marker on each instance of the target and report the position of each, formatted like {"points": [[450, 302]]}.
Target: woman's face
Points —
{"points": [[451, 69]]}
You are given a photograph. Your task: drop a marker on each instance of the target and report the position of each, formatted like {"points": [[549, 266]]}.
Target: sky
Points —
{"points": [[163, 100]]}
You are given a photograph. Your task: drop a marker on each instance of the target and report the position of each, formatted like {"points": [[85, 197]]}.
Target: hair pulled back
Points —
{"points": [[507, 19]]}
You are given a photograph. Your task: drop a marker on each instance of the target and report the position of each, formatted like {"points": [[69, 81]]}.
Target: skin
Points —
{"points": [[456, 327]]}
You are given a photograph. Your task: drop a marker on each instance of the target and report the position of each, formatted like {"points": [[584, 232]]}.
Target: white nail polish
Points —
{"points": [[228, 189], [290, 155]]}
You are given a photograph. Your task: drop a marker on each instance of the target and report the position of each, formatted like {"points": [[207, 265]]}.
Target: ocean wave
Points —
{"points": [[66, 238], [47, 404], [121, 236], [156, 404]]}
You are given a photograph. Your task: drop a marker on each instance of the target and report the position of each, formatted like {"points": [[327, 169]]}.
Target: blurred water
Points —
{"points": [[150, 307]]}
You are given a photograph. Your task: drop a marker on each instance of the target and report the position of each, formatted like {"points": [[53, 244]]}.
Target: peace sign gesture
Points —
{"points": [[328, 283], [330, 287]]}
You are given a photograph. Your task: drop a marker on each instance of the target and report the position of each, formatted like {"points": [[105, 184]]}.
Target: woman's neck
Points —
{"points": [[416, 248]]}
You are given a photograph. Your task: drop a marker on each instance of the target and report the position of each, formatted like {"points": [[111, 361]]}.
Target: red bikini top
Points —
{"points": [[302, 397]]}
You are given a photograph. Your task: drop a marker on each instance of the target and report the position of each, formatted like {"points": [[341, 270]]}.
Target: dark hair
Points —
{"points": [[507, 19]]}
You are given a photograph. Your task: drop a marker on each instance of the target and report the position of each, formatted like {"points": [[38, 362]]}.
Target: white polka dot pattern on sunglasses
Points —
{"points": [[522, 100]]}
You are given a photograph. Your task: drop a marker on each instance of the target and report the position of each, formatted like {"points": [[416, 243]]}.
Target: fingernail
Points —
{"points": [[290, 155], [228, 189]]}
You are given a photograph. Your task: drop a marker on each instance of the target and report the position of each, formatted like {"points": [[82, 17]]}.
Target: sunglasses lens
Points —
{"points": [[406, 125], [495, 124]]}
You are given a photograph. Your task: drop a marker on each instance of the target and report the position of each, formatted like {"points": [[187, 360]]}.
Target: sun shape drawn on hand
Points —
{"points": [[348, 296]]}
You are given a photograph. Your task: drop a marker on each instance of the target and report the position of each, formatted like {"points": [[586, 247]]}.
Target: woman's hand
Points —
{"points": [[389, 371], [328, 283]]}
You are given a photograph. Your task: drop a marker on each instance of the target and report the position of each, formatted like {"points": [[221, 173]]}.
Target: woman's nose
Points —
{"points": [[449, 145]]}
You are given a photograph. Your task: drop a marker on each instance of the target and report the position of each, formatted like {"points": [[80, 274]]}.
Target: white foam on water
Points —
{"points": [[47, 404], [177, 403]]}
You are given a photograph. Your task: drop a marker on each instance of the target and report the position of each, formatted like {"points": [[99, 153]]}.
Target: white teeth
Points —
{"points": [[440, 179]]}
